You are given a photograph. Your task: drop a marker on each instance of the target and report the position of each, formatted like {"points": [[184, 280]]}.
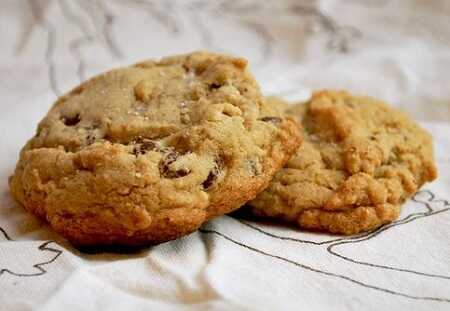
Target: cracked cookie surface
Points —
{"points": [[359, 161], [147, 153]]}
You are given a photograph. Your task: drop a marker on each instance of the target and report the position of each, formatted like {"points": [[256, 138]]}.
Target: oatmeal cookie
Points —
{"points": [[145, 154], [360, 160]]}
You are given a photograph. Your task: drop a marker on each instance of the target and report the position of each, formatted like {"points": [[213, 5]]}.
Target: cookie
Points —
{"points": [[359, 161], [146, 154]]}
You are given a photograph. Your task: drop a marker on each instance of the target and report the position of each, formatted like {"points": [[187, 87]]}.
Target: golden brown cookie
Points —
{"points": [[146, 154], [359, 161]]}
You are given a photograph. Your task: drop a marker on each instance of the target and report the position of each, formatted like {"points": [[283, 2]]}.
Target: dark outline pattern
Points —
{"points": [[267, 38], [406, 220], [38, 15], [5, 234], [76, 44], [103, 26], [107, 31], [162, 16], [339, 37], [361, 237], [39, 266]]}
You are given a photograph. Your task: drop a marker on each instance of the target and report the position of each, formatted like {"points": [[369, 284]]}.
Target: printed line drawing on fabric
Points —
{"points": [[44, 247], [430, 211], [38, 14], [103, 20], [76, 44]]}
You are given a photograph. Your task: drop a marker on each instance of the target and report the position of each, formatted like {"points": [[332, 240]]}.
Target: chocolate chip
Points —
{"points": [[274, 120], [71, 121], [175, 174], [212, 176], [209, 180], [143, 145], [165, 170], [90, 138], [185, 67], [147, 144], [214, 86]]}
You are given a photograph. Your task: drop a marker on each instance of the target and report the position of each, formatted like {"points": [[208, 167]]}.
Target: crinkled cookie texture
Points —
{"points": [[359, 161], [146, 154]]}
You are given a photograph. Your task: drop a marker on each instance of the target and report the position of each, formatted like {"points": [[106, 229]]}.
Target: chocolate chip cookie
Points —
{"points": [[146, 154], [360, 160]]}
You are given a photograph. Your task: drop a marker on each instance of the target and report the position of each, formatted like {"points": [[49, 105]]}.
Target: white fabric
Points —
{"points": [[394, 50]]}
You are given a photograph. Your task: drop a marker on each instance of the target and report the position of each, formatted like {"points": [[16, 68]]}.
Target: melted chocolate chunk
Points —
{"points": [[175, 174], [148, 145], [165, 170], [71, 121], [274, 120], [143, 145], [214, 86], [90, 138], [212, 176], [209, 180], [171, 157]]}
